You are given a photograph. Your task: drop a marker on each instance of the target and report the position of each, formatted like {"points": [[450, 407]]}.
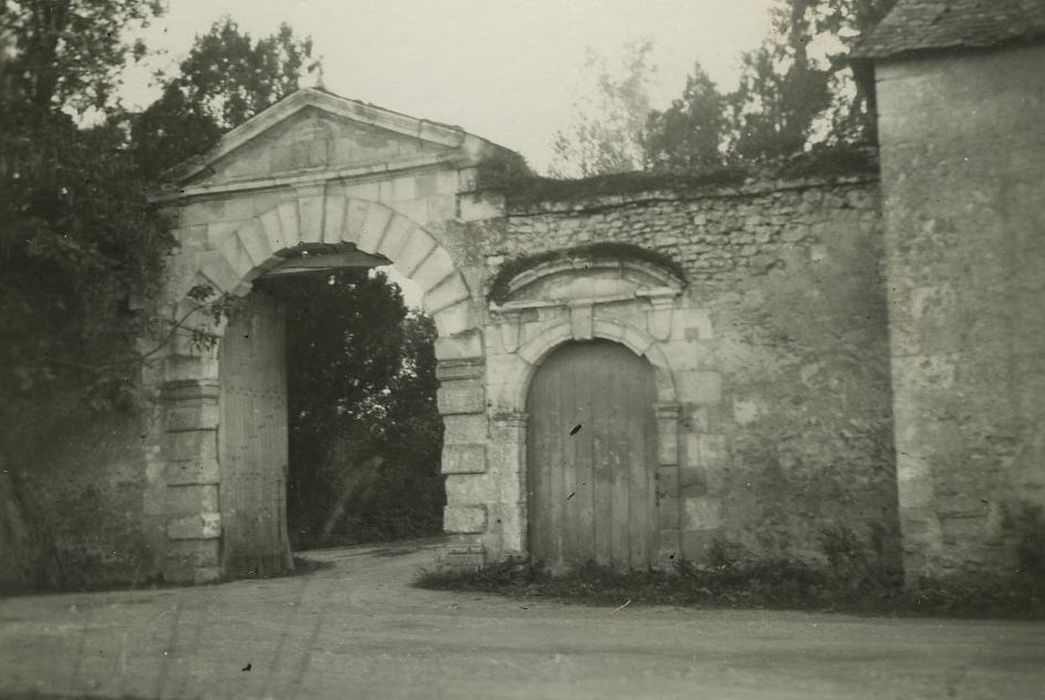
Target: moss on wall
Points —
{"points": [[522, 188]]}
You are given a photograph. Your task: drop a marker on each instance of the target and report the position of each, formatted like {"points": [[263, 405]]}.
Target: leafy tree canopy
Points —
{"points": [[772, 111], [688, 135], [78, 241], [790, 95], [227, 78], [67, 54], [796, 90], [365, 433]]}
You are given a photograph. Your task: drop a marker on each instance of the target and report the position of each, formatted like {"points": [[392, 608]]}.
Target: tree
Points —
{"points": [[608, 129], [773, 110], [67, 54], [78, 242], [365, 434], [226, 79], [688, 135], [842, 23], [788, 98]]}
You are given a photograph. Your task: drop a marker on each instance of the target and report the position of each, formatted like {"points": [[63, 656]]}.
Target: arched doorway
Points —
{"points": [[225, 427], [320, 369], [592, 458]]}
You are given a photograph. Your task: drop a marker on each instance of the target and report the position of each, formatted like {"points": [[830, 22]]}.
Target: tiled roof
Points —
{"points": [[919, 25]]}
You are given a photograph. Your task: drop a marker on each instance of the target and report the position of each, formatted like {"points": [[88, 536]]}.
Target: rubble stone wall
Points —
{"points": [[776, 347]]}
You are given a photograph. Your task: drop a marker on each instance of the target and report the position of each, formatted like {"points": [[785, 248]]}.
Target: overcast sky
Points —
{"points": [[502, 69]]}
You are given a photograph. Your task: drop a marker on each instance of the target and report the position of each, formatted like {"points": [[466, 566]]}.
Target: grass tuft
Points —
{"points": [[780, 585], [856, 578]]}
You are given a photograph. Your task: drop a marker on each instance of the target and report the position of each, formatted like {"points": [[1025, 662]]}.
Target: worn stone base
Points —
{"points": [[192, 562], [460, 557]]}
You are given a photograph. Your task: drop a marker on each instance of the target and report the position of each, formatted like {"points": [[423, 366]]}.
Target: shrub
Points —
{"points": [[857, 578]]}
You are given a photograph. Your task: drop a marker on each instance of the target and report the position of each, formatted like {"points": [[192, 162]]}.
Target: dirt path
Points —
{"points": [[358, 630]]}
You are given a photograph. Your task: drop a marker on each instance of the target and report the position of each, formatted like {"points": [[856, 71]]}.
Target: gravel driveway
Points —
{"points": [[356, 629]]}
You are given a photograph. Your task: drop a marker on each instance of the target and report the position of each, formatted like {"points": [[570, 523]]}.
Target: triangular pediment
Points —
{"points": [[314, 131]]}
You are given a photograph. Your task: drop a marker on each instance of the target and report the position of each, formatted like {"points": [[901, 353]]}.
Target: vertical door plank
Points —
{"points": [[587, 400], [604, 445], [555, 465], [638, 474], [619, 420]]}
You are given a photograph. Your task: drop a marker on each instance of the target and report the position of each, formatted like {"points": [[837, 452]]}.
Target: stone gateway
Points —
{"points": [[653, 373]]}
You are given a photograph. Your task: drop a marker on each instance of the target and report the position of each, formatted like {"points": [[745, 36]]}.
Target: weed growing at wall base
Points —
{"points": [[855, 580], [780, 585]]}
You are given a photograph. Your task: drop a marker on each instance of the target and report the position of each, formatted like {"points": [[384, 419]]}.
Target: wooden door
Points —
{"points": [[252, 440], [592, 492]]}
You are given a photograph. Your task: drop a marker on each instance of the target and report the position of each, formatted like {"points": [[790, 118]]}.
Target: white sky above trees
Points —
{"points": [[506, 70]]}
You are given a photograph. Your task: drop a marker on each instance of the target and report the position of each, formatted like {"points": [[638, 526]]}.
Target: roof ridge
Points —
{"points": [[925, 25]]}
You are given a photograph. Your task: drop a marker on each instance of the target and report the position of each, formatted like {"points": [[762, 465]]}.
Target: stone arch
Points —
{"points": [[189, 379], [257, 245], [652, 276], [529, 356], [534, 350]]}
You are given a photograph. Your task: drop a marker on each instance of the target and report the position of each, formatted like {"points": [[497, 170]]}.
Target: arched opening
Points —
{"points": [[233, 449], [592, 457], [322, 373]]}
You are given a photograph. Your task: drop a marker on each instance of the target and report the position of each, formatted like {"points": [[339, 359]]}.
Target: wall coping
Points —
{"points": [[750, 188]]}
